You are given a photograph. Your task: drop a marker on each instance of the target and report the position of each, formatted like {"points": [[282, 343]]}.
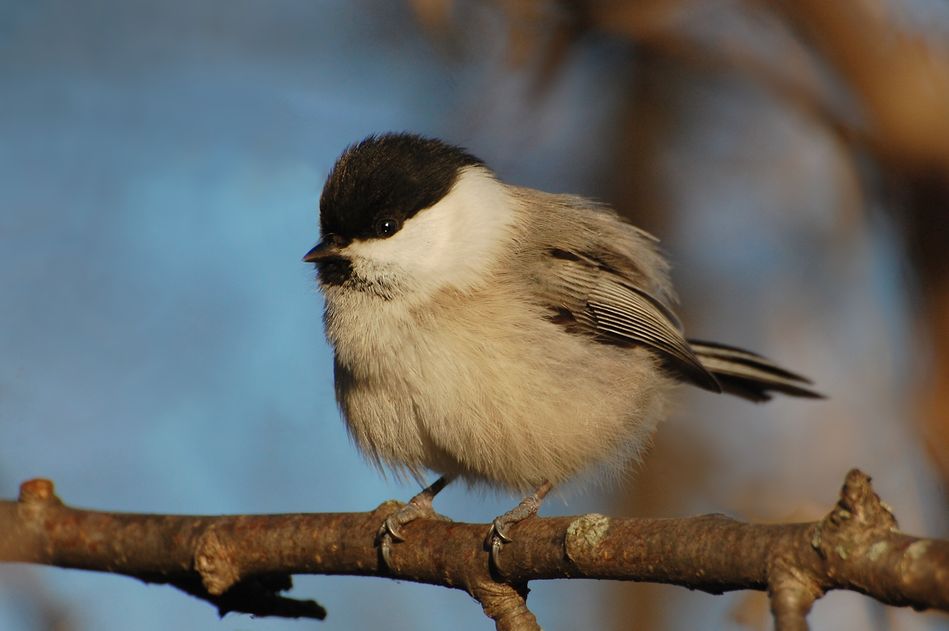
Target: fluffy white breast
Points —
{"points": [[454, 243]]}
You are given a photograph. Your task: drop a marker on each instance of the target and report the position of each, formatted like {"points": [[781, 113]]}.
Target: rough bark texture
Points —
{"points": [[241, 563]]}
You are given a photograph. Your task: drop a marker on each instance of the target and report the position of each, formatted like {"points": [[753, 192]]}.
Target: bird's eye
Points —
{"points": [[387, 227]]}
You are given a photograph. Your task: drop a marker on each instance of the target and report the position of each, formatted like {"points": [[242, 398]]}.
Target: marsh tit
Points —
{"points": [[498, 334]]}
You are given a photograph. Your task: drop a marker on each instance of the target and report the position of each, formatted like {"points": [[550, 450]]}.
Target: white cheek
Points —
{"points": [[453, 243], [420, 244]]}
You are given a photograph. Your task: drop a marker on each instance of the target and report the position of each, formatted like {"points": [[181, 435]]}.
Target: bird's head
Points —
{"points": [[403, 215]]}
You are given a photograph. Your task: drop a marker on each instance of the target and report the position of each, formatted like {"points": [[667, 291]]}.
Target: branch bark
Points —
{"points": [[242, 563]]}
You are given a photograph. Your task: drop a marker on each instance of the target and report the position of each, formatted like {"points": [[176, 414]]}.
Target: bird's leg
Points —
{"points": [[417, 507], [528, 507]]}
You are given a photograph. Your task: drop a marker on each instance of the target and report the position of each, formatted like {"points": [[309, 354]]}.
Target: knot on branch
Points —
{"points": [[214, 563], [859, 501], [36, 496], [38, 491], [859, 517]]}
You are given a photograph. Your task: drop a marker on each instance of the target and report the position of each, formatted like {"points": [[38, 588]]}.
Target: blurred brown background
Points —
{"points": [[794, 157]]}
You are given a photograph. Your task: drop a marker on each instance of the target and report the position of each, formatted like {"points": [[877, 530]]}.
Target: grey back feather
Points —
{"points": [[606, 279]]}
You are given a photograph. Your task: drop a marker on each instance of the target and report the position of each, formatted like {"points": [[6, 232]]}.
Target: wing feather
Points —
{"points": [[630, 315], [608, 304]]}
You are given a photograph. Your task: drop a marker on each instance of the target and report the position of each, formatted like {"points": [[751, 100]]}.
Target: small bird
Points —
{"points": [[497, 334]]}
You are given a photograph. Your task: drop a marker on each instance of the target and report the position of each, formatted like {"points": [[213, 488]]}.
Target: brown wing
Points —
{"points": [[590, 297]]}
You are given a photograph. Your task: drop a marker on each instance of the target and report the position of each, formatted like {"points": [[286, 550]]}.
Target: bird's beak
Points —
{"points": [[326, 248]]}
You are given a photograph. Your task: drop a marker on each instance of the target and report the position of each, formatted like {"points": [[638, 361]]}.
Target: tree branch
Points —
{"points": [[241, 563]]}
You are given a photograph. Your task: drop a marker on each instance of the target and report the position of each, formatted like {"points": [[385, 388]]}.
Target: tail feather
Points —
{"points": [[748, 374]]}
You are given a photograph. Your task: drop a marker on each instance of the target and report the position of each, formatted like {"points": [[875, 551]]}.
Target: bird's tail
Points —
{"points": [[749, 375]]}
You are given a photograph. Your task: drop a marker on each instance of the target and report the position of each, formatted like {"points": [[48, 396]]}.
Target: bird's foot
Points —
{"points": [[499, 534], [419, 507]]}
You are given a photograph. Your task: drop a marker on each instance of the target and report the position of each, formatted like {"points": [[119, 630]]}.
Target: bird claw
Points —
{"points": [[385, 547], [391, 527], [499, 529], [418, 507], [499, 534], [389, 532]]}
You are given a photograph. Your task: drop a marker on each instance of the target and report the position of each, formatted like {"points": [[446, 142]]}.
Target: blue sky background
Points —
{"points": [[161, 341], [161, 348]]}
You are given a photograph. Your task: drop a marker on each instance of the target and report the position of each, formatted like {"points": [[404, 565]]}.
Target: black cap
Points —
{"points": [[389, 177]]}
